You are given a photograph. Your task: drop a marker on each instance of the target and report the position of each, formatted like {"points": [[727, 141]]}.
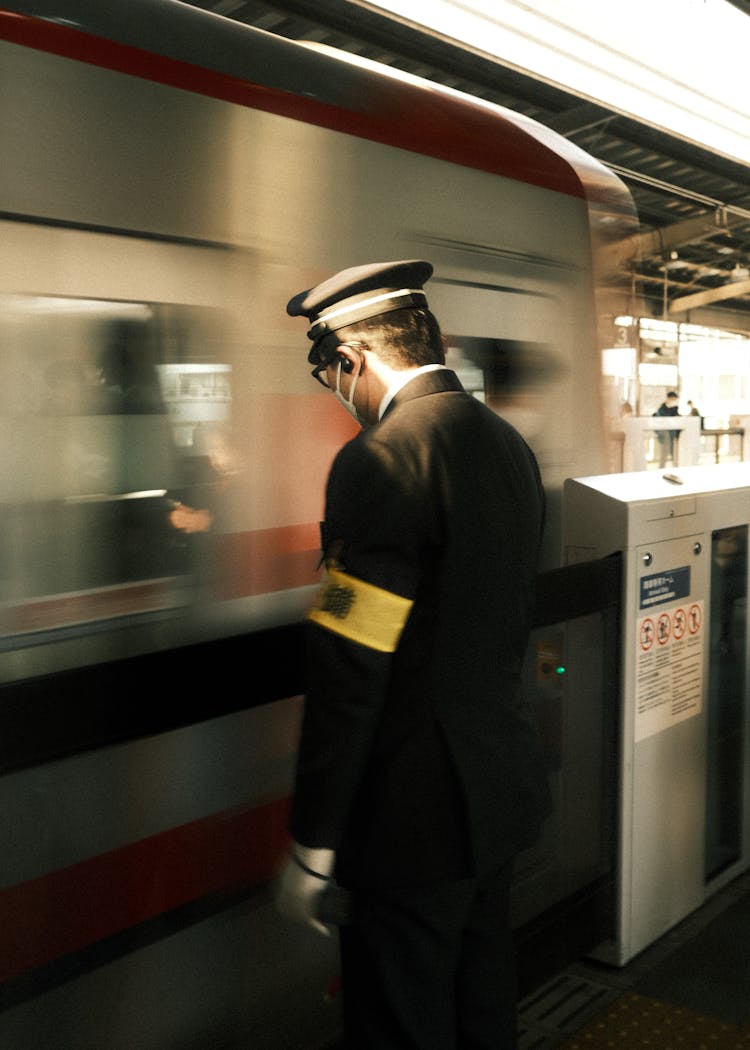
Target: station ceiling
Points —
{"points": [[693, 205]]}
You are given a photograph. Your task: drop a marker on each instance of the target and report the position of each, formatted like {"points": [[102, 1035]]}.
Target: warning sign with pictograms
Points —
{"points": [[669, 667]]}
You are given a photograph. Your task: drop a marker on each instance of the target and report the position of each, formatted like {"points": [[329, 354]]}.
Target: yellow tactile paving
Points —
{"points": [[633, 1022]]}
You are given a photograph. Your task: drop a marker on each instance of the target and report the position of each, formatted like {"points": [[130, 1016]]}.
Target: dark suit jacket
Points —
{"points": [[421, 765]]}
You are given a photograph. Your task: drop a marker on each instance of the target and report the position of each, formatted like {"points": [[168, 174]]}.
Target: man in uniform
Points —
{"points": [[419, 776]]}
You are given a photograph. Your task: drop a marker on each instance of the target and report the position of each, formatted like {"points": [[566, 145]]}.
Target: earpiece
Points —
{"points": [[346, 364]]}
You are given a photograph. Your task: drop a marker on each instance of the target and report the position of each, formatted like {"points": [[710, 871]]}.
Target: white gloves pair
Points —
{"points": [[303, 882]]}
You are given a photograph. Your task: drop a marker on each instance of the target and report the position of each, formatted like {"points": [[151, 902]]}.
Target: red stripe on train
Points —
{"points": [[39, 614], [67, 910], [437, 126], [268, 560]]}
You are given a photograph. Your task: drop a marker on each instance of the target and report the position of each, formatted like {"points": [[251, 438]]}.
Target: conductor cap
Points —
{"points": [[359, 293]]}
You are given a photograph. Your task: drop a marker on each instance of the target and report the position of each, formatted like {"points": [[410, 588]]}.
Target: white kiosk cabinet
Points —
{"points": [[683, 689]]}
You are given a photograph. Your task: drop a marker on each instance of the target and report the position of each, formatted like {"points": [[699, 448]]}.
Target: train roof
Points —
{"points": [[172, 43]]}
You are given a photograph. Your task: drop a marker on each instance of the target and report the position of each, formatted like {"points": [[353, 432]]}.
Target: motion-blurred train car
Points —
{"points": [[169, 179]]}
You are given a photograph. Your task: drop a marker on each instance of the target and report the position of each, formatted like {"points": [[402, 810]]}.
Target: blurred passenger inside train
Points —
{"points": [[128, 379], [419, 773], [210, 474], [667, 439]]}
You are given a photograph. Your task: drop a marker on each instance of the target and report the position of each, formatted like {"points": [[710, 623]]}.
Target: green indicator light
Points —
{"points": [[559, 670]]}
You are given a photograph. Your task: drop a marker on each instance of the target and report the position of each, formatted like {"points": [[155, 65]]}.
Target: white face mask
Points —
{"points": [[347, 403]]}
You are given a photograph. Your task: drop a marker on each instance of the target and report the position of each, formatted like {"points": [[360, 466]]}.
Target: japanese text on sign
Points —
{"points": [[661, 587]]}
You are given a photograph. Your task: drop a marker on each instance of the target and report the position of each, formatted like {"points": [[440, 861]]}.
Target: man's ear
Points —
{"points": [[350, 358]]}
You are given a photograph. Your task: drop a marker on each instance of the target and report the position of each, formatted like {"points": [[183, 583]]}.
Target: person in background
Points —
{"points": [[419, 773], [666, 439], [695, 411]]}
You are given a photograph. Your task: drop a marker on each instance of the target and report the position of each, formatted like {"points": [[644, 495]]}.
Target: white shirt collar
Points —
{"points": [[403, 378]]}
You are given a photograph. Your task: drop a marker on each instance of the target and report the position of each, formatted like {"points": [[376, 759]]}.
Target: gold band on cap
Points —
{"points": [[360, 611]]}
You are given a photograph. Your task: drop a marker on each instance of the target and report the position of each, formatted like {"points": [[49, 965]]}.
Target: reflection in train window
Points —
{"points": [[105, 410], [725, 784]]}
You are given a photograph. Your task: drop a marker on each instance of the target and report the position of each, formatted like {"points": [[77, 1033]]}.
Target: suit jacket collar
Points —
{"points": [[436, 381]]}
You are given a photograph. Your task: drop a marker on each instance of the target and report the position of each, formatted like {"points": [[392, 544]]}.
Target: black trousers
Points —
{"points": [[431, 968]]}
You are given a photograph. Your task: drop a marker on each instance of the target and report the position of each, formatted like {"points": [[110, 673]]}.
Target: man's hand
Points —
{"points": [[302, 883]]}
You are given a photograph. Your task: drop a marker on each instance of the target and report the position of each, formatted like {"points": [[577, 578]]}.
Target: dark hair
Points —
{"points": [[405, 338]]}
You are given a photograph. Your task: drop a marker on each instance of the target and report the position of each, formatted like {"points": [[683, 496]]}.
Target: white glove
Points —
{"points": [[302, 883]]}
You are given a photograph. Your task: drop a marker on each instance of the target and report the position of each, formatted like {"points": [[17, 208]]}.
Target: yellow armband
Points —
{"points": [[360, 611]]}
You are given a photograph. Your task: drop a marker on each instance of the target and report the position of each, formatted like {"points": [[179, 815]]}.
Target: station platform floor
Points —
{"points": [[690, 990]]}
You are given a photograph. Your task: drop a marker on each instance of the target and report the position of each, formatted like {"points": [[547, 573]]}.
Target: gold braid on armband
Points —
{"points": [[360, 611]]}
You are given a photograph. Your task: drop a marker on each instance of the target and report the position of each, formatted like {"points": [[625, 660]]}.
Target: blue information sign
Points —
{"points": [[668, 586]]}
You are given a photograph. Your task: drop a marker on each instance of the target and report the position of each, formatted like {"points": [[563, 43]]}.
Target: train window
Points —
{"points": [[110, 413], [503, 373]]}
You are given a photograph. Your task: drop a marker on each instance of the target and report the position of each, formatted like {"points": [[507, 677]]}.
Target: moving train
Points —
{"points": [[170, 179]]}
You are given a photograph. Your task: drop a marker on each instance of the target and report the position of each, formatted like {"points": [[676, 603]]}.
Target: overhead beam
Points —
{"points": [[579, 118], [669, 238], [733, 290], [660, 242]]}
